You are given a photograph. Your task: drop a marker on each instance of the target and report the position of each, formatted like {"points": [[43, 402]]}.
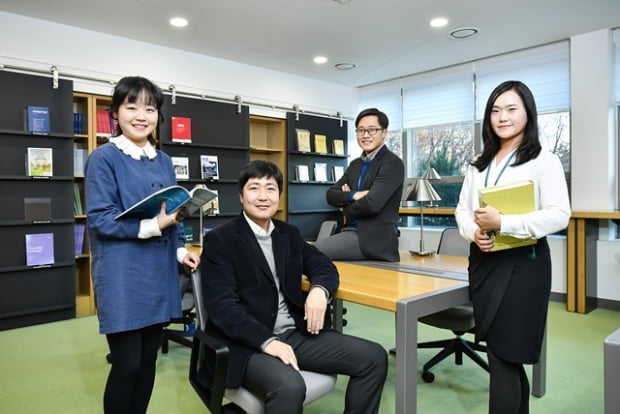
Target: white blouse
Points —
{"points": [[551, 197]]}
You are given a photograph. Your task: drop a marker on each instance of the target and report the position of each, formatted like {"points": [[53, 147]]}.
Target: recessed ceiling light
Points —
{"points": [[178, 21], [345, 66], [439, 22], [319, 60], [463, 33]]}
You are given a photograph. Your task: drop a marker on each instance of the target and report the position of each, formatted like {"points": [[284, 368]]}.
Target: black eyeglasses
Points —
{"points": [[371, 131]]}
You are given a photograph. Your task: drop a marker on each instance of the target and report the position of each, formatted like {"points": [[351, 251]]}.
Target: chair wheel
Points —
{"points": [[428, 376]]}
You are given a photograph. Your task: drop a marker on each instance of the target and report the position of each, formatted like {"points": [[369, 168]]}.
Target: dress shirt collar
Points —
{"points": [[131, 149], [258, 230], [373, 154]]}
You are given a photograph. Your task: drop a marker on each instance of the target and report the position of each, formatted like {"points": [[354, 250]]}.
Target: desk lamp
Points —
{"points": [[423, 191], [431, 175]]}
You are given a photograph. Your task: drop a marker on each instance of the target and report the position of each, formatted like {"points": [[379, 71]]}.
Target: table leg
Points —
{"points": [[539, 371]]}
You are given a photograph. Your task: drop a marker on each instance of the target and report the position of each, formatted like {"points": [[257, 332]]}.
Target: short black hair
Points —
{"points": [[383, 118], [130, 88], [259, 169]]}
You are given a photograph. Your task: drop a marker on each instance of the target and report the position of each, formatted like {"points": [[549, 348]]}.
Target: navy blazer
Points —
{"points": [[376, 214], [241, 297]]}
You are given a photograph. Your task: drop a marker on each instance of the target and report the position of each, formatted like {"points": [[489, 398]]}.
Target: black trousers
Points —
{"points": [[331, 352]]}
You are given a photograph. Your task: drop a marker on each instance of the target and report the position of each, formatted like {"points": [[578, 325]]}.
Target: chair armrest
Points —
{"points": [[206, 346]]}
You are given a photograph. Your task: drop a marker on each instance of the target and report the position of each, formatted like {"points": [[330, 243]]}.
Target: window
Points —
{"points": [[441, 111]]}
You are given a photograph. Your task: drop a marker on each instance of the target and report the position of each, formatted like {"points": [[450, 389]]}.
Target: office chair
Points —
{"points": [[459, 319], [241, 399], [188, 316], [328, 227]]}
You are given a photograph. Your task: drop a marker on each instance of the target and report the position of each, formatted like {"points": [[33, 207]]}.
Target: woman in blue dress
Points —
{"points": [[134, 261]]}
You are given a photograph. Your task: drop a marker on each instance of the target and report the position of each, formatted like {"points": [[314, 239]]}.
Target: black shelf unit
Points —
{"points": [[220, 129], [307, 204], [36, 294]]}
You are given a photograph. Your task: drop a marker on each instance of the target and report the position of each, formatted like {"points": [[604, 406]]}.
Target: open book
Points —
{"points": [[175, 197], [511, 198]]}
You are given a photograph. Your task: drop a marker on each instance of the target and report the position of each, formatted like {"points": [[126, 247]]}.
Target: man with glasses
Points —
{"points": [[369, 195]]}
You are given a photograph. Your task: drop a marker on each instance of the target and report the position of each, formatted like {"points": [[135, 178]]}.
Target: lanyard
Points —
{"points": [[486, 178]]}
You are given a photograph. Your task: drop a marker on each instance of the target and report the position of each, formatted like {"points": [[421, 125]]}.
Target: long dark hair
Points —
{"points": [[529, 148], [131, 87]]}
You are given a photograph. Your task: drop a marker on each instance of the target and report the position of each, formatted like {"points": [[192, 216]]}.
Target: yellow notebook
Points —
{"points": [[511, 198], [320, 143], [303, 140]]}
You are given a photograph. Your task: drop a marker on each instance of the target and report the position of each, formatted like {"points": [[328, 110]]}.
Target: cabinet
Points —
{"points": [[307, 204], [86, 138], [217, 129], [268, 142], [33, 294]]}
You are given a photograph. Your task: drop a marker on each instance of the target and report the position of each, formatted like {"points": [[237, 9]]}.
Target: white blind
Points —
{"points": [[438, 97], [384, 96], [617, 65], [544, 69]]}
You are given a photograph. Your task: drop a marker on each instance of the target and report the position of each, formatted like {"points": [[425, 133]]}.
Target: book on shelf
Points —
{"points": [[38, 209], [181, 129], [338, 146], [38, 119], [212, 208], [176, 197], [78, 123], [512, 198], [39, 162], [189, 233], [104, 123], [79, 231], [303, 140], [338, 172], [79, 160], [209, 168], [320, 143], [39, 249], [302, 173], [78, 208], [320, 171], [181, 168]]}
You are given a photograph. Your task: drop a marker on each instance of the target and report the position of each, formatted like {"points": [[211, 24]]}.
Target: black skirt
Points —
{"points": [[510, 292]]}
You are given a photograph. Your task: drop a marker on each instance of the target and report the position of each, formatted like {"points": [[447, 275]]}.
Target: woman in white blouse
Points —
{"points": [[510, 288]]}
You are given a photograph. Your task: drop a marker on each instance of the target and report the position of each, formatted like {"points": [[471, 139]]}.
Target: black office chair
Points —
{"points": [[188, 315], [459, 319], [241, 399]]}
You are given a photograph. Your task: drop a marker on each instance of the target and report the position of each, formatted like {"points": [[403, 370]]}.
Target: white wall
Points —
{"points": [[40, 44]]}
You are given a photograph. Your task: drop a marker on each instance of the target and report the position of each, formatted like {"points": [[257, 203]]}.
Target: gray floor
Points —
{"points": [[60, 368]]}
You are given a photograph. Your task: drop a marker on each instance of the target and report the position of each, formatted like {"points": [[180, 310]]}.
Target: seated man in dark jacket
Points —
{"points": [[251, 274]]}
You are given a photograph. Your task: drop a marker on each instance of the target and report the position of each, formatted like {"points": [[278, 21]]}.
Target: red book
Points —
{"points": [[181, 129], [103, 123]]}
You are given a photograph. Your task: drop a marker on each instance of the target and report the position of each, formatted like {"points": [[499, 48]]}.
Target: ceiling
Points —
{"points": [[385, 39]]}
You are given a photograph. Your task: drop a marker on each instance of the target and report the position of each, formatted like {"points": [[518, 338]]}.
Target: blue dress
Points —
{"points": [[136, 281]]}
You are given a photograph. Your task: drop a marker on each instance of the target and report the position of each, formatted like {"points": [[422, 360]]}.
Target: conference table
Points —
{"points": [[414, 287]]}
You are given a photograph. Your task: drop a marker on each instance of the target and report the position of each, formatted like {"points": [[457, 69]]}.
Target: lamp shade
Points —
{"points": [[431, 174], [423, 191]]}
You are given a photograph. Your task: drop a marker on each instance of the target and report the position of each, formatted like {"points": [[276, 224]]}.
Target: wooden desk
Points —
{"points": [[581, 237], [412, 295]]}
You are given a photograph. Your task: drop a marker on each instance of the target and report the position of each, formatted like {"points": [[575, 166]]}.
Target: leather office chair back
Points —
{"points": [[317, 384]]}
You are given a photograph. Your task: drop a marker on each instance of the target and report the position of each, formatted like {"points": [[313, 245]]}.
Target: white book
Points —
{"points": [[338, 171], [320, 171], [302, 172]]}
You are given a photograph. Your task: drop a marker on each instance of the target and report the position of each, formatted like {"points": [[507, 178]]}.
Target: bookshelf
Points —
{"points": [[268, 142], [307, 204], [217, 129], [86, 137], [43, 292]]}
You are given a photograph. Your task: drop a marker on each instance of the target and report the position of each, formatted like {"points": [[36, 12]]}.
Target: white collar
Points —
{"points": [[131, 149], [258, 230]]}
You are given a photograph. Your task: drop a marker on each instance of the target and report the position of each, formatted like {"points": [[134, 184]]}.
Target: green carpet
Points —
{"points": [[60, 368]]}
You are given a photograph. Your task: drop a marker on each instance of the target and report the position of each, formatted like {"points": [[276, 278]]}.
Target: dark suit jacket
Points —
{"points": [[376, 214], [240, 294]]}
